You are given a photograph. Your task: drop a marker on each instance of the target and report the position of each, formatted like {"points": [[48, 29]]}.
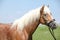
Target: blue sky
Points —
{"points": [[11, 10]]}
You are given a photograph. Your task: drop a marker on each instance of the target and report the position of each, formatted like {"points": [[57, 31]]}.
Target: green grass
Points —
{"points": [[42, 33]]}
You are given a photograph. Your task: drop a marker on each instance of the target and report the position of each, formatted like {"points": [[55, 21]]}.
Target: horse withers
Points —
{"points": [[4, 29], [24, 27]]}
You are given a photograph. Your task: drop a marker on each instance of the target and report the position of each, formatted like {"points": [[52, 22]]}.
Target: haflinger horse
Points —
{"points": [[24, 27]]}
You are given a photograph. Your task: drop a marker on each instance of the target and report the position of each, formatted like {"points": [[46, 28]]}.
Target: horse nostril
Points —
{"points": [[53, 19]]}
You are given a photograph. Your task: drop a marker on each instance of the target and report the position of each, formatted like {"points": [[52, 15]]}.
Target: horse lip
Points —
{"points": [[52, 25]]}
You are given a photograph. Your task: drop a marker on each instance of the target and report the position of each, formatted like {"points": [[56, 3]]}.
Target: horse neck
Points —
{"points": [[32, 26], [28, 22]]}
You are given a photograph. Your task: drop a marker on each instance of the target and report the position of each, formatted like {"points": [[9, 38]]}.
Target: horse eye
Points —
{"points": [[45, 14]]}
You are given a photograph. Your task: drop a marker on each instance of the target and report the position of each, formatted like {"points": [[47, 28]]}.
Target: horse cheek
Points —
{"points": [[42, 21]]}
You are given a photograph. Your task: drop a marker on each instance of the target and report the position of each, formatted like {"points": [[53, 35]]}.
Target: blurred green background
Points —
{"points": [[42, 33]]}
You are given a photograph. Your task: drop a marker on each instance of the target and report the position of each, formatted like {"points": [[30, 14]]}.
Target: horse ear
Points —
{"points": [[42, 8], [47, 5]]}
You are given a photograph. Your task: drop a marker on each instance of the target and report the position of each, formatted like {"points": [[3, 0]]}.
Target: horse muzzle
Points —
{"points": [[52, 24]]}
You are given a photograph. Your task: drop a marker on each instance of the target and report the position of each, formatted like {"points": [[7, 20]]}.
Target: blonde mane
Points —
{"points": [[29, 17]]}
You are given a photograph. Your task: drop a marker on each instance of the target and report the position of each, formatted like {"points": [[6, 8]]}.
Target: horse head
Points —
{"points": [[46, 17]]}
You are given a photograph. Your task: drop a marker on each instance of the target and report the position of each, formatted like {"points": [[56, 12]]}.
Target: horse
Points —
{"points": [[24, 27]]}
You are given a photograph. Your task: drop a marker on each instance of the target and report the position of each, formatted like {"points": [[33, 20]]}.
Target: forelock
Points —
{"points": [[46, 9]]}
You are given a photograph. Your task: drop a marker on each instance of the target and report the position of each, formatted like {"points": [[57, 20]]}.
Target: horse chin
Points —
{"points": [[52, 25]]}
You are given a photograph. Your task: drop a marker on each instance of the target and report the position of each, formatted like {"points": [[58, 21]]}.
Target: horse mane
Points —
{"points": [[29, 17]]}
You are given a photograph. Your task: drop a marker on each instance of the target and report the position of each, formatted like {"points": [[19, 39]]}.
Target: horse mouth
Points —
{"points": [[52, 25]]}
